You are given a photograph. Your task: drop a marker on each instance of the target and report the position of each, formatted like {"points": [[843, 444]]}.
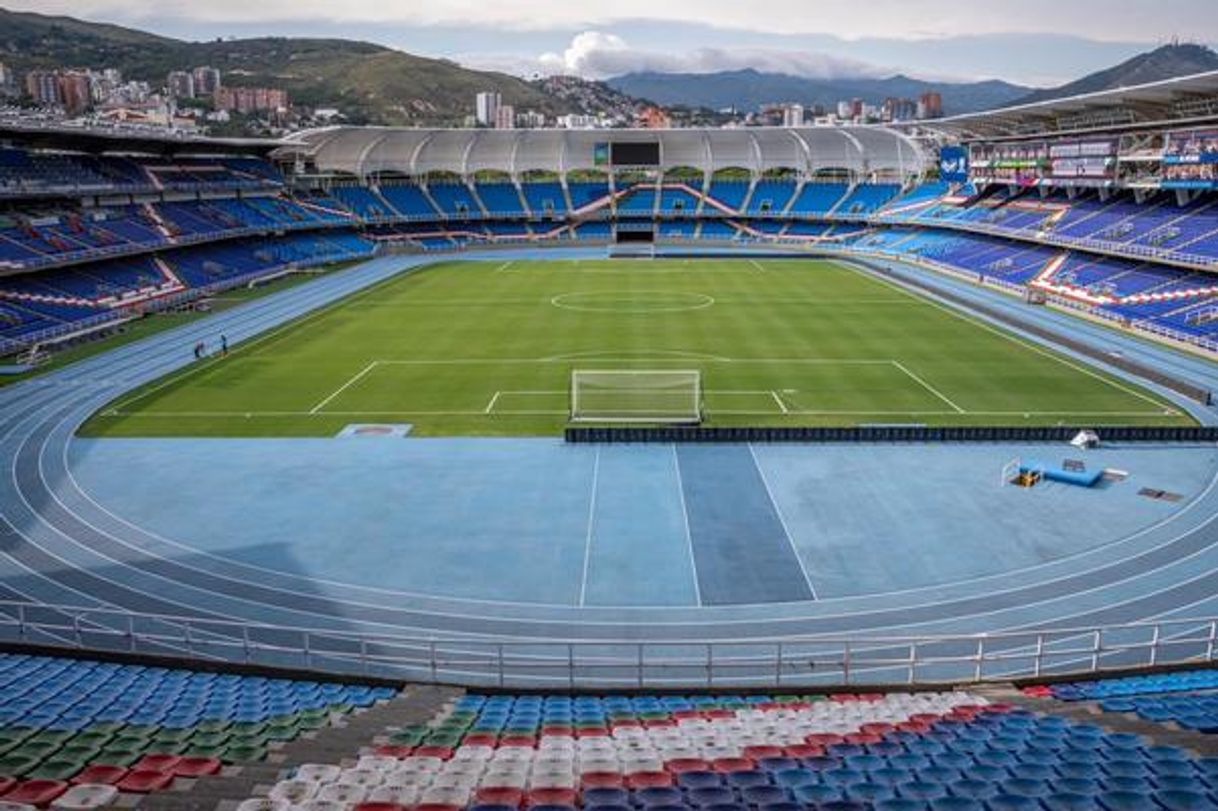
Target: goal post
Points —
{"points": [[636, 395]]}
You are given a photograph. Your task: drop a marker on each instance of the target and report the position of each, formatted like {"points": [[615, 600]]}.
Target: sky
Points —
{"points": [[1035, 42]]}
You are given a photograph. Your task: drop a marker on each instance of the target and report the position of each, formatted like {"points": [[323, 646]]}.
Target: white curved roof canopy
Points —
{"points": [[364, 151]]}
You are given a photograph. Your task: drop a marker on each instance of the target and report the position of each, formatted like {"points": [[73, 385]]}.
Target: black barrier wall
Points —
{"points": [[892, 433]]}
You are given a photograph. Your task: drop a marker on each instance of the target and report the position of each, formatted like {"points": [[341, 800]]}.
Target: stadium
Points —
{"points": [[758, 469]]}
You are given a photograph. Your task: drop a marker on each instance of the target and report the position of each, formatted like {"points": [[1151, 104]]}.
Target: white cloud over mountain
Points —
{"points": [[905, 19], [597, 55]]}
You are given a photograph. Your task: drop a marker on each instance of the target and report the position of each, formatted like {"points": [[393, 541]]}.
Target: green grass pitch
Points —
{"points": [[488, 348]]}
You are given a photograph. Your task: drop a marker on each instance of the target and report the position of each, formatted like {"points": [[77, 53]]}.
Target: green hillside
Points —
{"points": [[370, 83]]}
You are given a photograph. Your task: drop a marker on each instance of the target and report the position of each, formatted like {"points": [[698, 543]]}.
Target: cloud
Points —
{"points": [[903, 19], [599, 55]]}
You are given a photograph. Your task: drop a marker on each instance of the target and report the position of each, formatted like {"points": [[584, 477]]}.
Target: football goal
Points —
{"points": [[636, 395]]}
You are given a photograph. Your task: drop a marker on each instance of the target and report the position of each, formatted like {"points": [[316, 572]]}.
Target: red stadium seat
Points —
{"points": [[648, 780], [100, 774], [441, 752], [496, 795], [759, 752], [197, 766], [35, 792], [732, 764], [158, 763], [602, 780], [142, 781], [552, 796], [398, 751]]}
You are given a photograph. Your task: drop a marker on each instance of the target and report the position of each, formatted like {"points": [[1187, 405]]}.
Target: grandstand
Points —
{"points": [[821, 595]]}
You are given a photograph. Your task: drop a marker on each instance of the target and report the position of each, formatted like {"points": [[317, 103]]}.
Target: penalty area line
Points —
{"points": [[358, 376], [927, 386]]}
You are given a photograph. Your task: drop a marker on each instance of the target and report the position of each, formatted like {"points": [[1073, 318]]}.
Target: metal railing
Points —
{"points": [[584, 663], [1038, 236]]}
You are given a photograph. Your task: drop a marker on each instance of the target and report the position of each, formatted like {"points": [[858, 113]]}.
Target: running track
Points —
{"points": [[59, 547]]}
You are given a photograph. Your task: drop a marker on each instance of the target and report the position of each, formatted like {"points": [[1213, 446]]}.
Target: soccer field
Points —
{"points": [[469, 347]]}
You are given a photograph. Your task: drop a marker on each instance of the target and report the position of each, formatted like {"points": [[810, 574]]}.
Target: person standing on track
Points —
{"points": [[224, 346]]}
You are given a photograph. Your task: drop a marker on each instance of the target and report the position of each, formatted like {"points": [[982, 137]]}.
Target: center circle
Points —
{"points": [[615, 301]]}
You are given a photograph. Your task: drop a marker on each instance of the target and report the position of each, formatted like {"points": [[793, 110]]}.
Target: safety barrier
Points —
{"points": [[887, 433], [587, 664]]}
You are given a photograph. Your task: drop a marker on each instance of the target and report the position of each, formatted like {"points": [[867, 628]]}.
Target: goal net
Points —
{"points": [[636, 395]]}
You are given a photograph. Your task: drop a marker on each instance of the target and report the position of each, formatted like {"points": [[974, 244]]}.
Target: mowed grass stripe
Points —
{"points": [[805, 342]]}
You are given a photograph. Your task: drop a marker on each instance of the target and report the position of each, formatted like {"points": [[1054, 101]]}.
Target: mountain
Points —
{"points": [[750, 89], [1162, 63], [369, 83]]}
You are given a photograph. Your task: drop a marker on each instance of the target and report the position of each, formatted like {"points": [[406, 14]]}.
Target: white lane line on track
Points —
{"points": [[782, 519], [689, 537], [596, 474]]}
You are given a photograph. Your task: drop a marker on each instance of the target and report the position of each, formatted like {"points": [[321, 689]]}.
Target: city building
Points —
{"points": [[207, 81], [251, 99], [181, 85], [505, 117], [486, 108], [43, 87], [930, 105], [653, 118], [576, 121], [7, 80], [530, 120], [75, 91], [793, 115]]}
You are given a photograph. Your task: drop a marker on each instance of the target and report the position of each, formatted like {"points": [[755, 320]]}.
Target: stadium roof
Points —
{"points": [[366, 151], [1185, 100], [140, 140]]}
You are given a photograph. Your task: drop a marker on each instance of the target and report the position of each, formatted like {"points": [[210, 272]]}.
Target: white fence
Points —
{"points": [[787, 662]]}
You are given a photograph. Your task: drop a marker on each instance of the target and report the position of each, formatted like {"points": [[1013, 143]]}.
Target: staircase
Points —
{"points": [[341, 741]]}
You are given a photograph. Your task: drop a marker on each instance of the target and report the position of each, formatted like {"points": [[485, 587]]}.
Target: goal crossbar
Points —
{"points": [[636, 396]]}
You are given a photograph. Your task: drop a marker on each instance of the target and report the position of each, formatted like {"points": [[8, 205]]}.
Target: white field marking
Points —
{"points": [[689, 537], [782, 520], [643, 354], [632, 305], [245, 346], [596, 473], [928, 386], [781, 404], [491, 405], [355, 379], [757, 265], [416, 303], [627, 359], [504, 266], [1040, 350]]}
